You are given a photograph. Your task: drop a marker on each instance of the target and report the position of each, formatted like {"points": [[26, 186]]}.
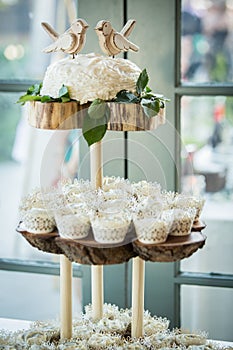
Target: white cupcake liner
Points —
{"points": [[148, 207], [144, 188], [114, 207], [168, 199], [113, 194], [187, 201], [152, 230], [74, 226], [110, 230], [37, 220], [116, 183], [182, 222]]}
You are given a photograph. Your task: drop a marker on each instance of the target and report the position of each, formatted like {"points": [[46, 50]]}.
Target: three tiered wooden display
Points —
{"points": [[123, 117]]}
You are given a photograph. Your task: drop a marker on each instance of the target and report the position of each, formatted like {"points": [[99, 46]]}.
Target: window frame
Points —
{"points": [[192, 89], [25, 265]]}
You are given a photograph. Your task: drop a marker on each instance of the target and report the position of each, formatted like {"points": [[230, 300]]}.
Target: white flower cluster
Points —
{"points": [[112, 332]]}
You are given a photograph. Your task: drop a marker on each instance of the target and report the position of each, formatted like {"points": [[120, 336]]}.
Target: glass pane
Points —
{"points": [[22, 37], [208, 309], [29, 158], [206, 41], [29, 302], [207, 166]]}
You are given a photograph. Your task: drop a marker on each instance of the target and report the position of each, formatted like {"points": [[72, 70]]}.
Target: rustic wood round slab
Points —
{"points": [[198, 226], [70, 115], [88, 251], [94, 255], [174, 249], [42, 241]]}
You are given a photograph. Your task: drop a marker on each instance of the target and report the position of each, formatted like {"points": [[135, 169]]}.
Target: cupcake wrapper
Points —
{"points": [[151, 231], [183, 202], [71, 226], [109, 235], [38, 221], [182, 222]]}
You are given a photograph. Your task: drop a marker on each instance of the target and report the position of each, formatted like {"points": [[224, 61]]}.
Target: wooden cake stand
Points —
{"points": [[123, 117], [89, 252]]}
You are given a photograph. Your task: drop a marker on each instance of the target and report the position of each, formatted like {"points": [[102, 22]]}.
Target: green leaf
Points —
{"points": [[64, 98], [97, 109], [34, 89], [142, 81], [25, 98], [46, 98], [94, 129], [125, 96], [64, 95], [150, 107], [63, 91], [147, 89]]}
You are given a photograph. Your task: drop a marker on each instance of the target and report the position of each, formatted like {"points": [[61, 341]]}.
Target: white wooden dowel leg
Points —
{"points": [[97, 291], [97, 271], [138, 285], [66, 297]]}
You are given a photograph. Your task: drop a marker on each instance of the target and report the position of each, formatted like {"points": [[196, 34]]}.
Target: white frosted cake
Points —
{"points": [[90, 76]]}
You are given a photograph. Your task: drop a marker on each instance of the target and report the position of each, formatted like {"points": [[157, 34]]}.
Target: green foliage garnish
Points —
{"points": [[33, 94], [64, 94], [150, 102], [98, 114], [151, 107], [125, 96], [142, 82], [96, 121], [97, 109]]}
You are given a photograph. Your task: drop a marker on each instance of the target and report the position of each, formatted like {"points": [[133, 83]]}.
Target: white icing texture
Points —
{"points": [[90, 76]]}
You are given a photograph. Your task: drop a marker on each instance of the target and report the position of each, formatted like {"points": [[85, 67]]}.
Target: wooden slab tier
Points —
{"points": [[88, 251], [95, 254], [70, 115], [174, 249], [43, 241]]}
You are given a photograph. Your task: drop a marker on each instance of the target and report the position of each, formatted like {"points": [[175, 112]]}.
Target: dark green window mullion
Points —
{"points": [[15, 86], [204, 90], [34, 266], [203, 279]]}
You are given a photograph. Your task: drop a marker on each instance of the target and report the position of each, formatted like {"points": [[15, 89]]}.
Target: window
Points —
{"points": [[204, 98], [22, 63]]}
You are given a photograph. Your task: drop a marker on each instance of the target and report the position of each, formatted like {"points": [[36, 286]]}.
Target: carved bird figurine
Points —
{"points": [[112, 42], [72, 41]]}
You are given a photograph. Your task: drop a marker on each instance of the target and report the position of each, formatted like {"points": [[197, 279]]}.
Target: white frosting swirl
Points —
{"points": [[90, 76]]}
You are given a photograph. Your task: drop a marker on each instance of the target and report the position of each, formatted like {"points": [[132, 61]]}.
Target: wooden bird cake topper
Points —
{"points": [[71, 42], [111, 42]]}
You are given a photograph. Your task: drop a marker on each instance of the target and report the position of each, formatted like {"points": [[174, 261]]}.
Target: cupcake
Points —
{"points": [[182, 221], [187, 201], [148, 207], [74, 226], [110, 229], [38, 220], [113, 183], [144, 188], [151, 230]]}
